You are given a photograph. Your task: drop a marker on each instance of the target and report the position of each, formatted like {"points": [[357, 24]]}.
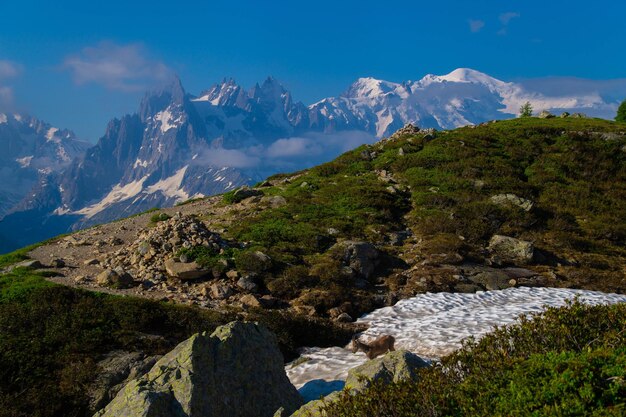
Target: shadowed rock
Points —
{"points": [[236, 371]]}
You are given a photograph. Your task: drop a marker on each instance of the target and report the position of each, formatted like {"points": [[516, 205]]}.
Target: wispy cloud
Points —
{"points": [[8, 70], [505, 19], [476, 25], [286, 153], [117, 67]]}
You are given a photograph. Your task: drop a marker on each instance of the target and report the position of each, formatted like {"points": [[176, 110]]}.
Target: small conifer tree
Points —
{"points": [[621, 113], [526, 110]]}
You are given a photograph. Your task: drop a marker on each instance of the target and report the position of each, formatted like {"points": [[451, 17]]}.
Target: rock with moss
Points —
{"points": [[397, 366], [512, 199], [235, 371], [509, 250]]}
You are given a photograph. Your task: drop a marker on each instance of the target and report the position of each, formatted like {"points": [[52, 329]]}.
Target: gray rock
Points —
{"points": [[512, 199], [245, 192], [397, 366], [57, 263], [116, 369], [185, 271], [236, 371], [493, 280], [246, 283], [511, 250], [545, 114], [114, 279], [361, 257], [344, 318], [274, 201], [220, 291], [30, 263], [93, 261], [249, 300]]}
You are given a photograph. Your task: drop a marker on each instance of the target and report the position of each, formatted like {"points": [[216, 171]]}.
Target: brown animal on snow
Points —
{"points": [[377, 347]]}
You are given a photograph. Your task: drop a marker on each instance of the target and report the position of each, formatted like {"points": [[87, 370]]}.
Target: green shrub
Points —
{"points": [[159, 217], [566, 361]]}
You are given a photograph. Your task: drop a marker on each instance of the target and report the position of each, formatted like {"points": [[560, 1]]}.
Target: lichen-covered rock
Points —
{"points": [[235, 371], [510, 250], [512, 199], [397, 366], [314, 408]]}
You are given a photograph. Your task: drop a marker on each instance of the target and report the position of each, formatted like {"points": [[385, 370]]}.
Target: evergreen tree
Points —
{"points": [[621, 113], [526, 110]]}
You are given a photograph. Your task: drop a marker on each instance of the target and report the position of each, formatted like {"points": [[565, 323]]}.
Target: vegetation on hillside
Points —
{"points": [[439, 186], [52, 337], [621, 113], [568, 361]]}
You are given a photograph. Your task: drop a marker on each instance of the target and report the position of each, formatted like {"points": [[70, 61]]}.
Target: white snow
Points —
{"points": [[171, 186], [433, 325], [51, 132], [3, 118], [140, 163], [25, 161], [168, 121], [17, 117], [117, 194]]}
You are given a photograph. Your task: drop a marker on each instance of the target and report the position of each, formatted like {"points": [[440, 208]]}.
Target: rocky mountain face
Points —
{"points": [[179, 146], [31, 150]]}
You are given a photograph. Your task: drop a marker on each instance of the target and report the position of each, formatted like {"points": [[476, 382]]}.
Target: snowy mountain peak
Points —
{"points": [[369, 87]]}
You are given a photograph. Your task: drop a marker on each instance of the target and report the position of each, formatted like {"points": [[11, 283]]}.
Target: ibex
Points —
{"points": [[375, 348]]}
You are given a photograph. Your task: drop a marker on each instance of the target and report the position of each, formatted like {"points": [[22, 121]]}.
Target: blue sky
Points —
{"points": [[78, 64]]}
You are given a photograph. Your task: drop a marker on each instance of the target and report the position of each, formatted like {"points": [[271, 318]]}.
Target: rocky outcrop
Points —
{"points": [[397, 366], [360, 257], [508, 250], [235, 371], [153, 255]]}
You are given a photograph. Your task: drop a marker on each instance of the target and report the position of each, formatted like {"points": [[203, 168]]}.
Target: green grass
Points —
{"points": [[52, 336]]}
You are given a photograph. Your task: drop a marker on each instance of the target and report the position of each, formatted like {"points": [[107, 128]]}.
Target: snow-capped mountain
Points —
{"points": [[29, 150], [179, 146], [460, 98]]}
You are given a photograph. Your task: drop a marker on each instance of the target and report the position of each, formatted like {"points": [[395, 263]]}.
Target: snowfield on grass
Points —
{"points": [[434, 325]]}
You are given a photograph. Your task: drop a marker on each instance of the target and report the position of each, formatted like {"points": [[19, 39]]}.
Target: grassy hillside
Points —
{"points": [[568, 361], [52, 338], [439, 186]]}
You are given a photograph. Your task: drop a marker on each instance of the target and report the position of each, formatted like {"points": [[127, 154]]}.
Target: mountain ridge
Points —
{"points": [[179, 146]]}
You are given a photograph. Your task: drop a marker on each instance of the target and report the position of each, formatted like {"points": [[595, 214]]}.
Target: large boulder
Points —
{"points": [[509, 250], [396, 366], [361, 257], [235, 371], [185, 270]]}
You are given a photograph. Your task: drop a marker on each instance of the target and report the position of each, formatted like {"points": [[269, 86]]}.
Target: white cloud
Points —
{"points": [[117, 67], [476, 25], [505, 18], [8, 70], [285, 153]]}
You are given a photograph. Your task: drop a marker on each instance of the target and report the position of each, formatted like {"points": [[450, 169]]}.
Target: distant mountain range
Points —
{"points": [[179, 146]]}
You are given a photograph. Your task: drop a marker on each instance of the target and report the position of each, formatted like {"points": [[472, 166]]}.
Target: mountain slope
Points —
{"points": [[179, 146], [31, 149]]}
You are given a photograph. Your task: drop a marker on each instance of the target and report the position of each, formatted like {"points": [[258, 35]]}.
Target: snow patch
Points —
{"points": [[117, 194], [434, 325], [51, 132], [25, 161], [168, 121], [3, 118], [172, 186], [140, 163]]}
